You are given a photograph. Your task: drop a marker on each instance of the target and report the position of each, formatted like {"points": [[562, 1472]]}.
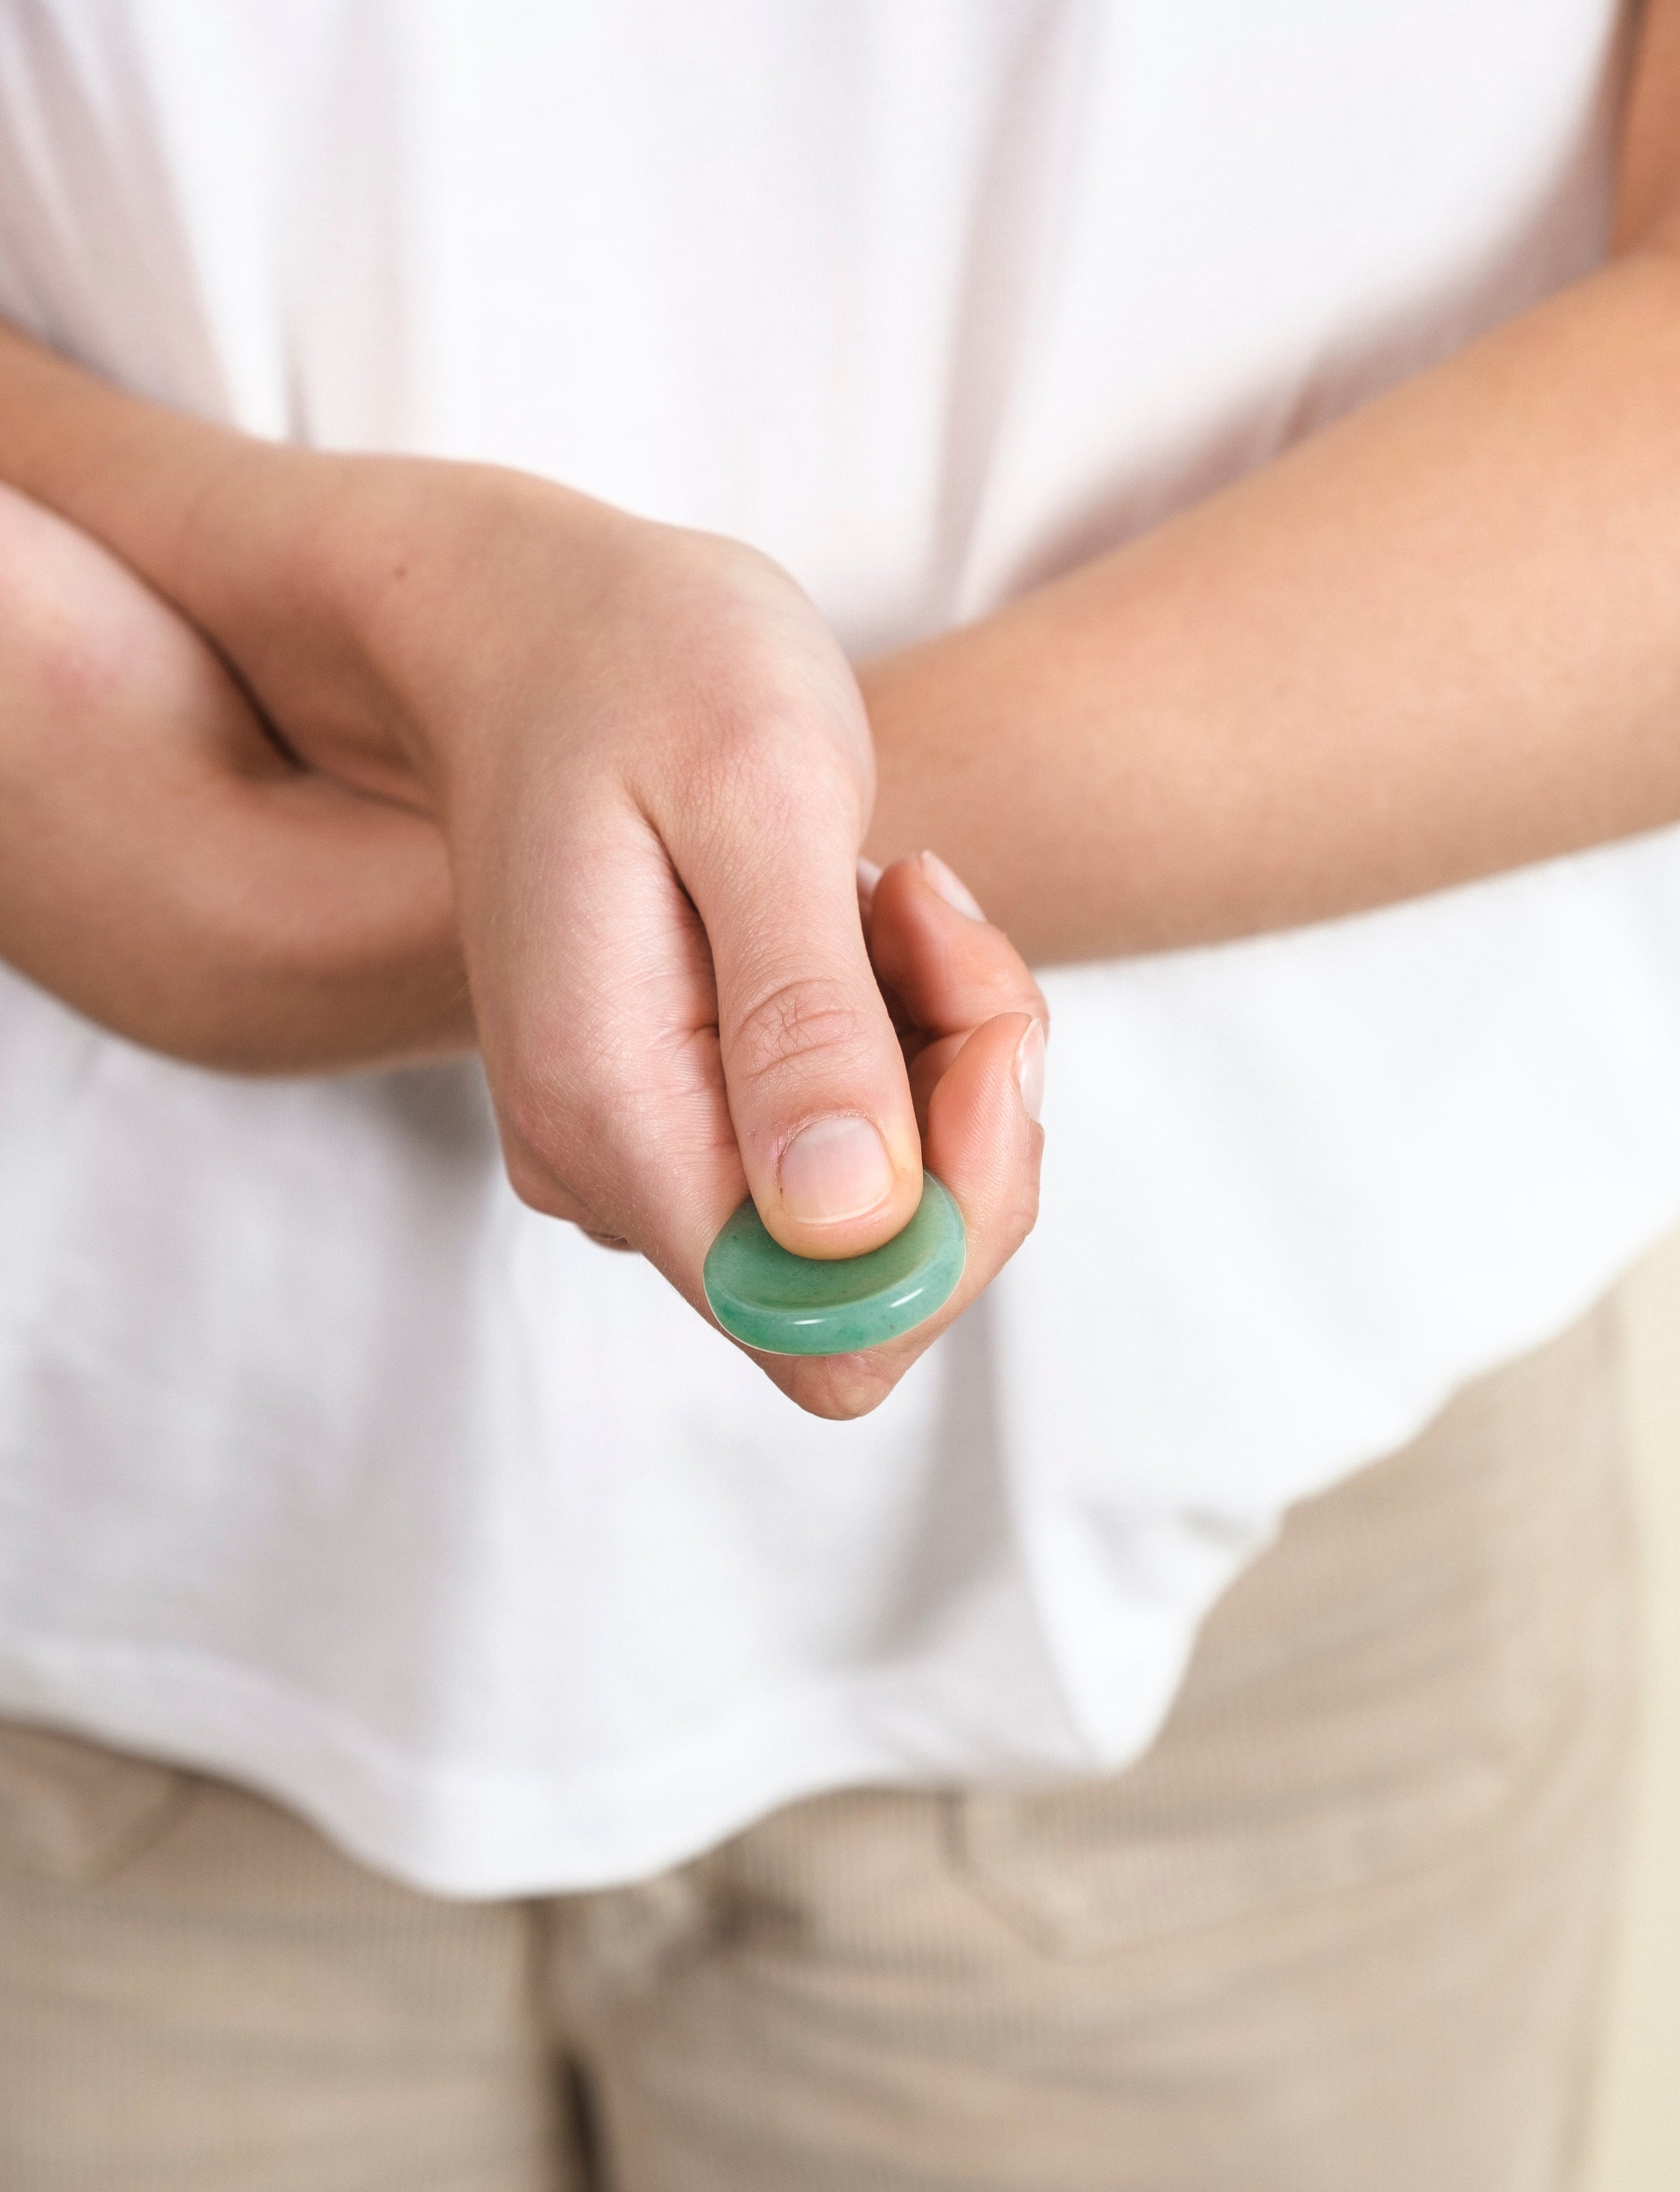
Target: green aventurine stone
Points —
{"points": [[789, 1304]]}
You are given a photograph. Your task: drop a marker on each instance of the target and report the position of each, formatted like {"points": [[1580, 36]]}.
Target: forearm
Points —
{"points": [[164, 869], [341, 589], [1440, 640], [237, 533], [287, 959]]}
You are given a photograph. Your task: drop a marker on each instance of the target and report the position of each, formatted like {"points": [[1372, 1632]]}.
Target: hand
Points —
{"points": [[167, 871], [651, 763], [653, 771], [972, 1024]]}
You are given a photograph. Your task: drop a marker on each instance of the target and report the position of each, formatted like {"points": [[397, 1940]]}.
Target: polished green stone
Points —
{"points": [[789, 1304]]}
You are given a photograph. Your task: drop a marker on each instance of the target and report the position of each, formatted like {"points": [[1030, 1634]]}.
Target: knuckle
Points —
{"points": [[1021, 1215], [530, 1124], [756, 764], [793, 1023], [1025, 1214], [535, 1185], [536, 1142]]}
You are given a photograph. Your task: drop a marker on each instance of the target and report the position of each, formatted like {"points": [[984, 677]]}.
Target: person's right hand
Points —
{"points": [[652, 769]]}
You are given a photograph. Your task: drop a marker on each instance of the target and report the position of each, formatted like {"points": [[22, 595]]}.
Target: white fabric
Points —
{"points": [[321, 1461]]}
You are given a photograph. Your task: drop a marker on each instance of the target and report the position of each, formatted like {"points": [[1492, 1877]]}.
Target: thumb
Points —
{"points": [[817, 1090]]}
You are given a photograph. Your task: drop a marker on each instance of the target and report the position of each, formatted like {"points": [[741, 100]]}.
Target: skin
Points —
{"points": [[1439, 640], [1447, 644], [651, 849], [167, 871]]}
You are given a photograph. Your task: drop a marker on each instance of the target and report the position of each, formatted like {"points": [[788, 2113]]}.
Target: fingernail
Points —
{"points": [[868, 875], [951, 888], [1029, 1072], [833, 1169]]}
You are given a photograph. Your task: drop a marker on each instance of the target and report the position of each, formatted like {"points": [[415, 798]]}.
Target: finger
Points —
{"points": [[948, 966], [817, 1085], [928, 1067], [598, 1015], [984, 1142], [560, 1202], [868, 875]]}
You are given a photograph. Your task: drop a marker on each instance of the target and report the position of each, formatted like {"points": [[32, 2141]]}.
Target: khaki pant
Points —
{"points": [[1342, 1931]]}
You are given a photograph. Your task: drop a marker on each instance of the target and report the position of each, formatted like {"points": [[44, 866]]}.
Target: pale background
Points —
{"points": [[1638, 2143]]}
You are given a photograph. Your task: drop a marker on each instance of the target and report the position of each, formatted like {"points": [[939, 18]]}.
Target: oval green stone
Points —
{"points": [[789, 1304]]}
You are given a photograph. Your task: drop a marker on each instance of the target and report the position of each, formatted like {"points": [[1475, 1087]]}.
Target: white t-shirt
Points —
{"points": [[325, 1463]]}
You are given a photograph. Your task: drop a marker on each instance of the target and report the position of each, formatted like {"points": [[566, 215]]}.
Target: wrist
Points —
{"points": [[292, 552], [408, 567], [262, 545]]}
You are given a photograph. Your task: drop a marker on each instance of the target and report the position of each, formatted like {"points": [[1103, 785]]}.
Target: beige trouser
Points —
{"points": [[1342, 1931]]}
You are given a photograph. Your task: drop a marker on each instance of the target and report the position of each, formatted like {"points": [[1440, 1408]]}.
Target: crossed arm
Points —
{"points": [[1439, 640], [1448, 642]]}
